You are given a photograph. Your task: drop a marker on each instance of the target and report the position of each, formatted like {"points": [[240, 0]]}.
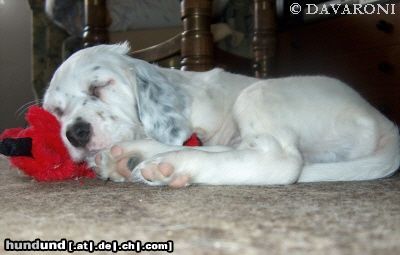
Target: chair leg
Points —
{"points": [[264, 37], [197, 41], [96, 23]]}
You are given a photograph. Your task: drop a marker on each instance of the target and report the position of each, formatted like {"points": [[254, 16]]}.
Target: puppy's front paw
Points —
{"points": [[115, 164], [160, 171]]}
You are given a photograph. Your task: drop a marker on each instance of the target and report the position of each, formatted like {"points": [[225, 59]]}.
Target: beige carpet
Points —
{"points": [[320, 218]]}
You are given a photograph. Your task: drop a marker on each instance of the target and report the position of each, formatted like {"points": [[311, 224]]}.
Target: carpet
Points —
{"points": [[316, 218]]}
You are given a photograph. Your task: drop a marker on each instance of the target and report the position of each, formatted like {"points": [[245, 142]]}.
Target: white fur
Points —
{"points": [[255, 132]]}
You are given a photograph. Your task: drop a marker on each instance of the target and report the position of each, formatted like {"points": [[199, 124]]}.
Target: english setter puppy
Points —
{"points": [[129, 119]]}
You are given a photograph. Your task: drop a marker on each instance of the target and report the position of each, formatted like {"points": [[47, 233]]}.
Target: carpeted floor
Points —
{"points": [[320, 218]]}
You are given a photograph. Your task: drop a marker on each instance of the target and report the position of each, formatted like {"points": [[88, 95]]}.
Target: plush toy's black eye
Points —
{"points": [[58, 111]]}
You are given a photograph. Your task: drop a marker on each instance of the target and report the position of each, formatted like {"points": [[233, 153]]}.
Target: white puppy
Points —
{"points": [[135, 116]]}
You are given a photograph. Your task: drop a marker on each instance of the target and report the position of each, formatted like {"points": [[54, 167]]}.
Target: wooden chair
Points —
{"points": [[195, 44]]}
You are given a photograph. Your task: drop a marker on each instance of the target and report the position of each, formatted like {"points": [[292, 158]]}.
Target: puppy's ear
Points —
{"points": [[163, 107]]}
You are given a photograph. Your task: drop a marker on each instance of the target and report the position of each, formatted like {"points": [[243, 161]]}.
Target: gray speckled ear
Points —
{"points": [[163, 106]]}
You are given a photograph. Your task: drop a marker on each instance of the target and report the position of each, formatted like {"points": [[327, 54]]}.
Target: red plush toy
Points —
{"points": [[39, 151]]}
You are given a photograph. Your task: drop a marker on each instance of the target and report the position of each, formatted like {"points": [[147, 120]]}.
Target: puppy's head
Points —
{"points": [[102, 97]]}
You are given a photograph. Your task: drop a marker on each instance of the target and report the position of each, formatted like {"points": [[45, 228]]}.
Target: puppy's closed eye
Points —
{"points": [[96, 87], [94, 90]]}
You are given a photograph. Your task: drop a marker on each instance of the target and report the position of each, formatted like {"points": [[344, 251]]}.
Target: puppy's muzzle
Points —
{"points": [[79, 133]]}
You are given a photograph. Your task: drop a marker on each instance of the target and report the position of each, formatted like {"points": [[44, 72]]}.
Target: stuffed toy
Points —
{"points": [[39, 151]]}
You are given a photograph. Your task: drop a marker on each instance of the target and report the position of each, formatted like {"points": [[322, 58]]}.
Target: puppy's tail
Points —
{"points": [[382, 163]]}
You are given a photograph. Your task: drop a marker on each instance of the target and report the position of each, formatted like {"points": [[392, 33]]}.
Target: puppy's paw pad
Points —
{"points": [[133, 161], [155, 171], [159, 172], [166, 169], [180, 181], [116, 151], [115, 165]]}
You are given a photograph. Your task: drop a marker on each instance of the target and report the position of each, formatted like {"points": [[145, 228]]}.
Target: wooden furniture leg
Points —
{"points": [[264, 37], [96, 23], [197, 42]]}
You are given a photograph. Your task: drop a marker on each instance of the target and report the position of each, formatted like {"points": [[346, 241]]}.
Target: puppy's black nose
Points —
{"points": [[79, 133]]}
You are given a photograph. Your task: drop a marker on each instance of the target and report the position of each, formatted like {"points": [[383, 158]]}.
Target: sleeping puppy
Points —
{"points": [[129, 119]]}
